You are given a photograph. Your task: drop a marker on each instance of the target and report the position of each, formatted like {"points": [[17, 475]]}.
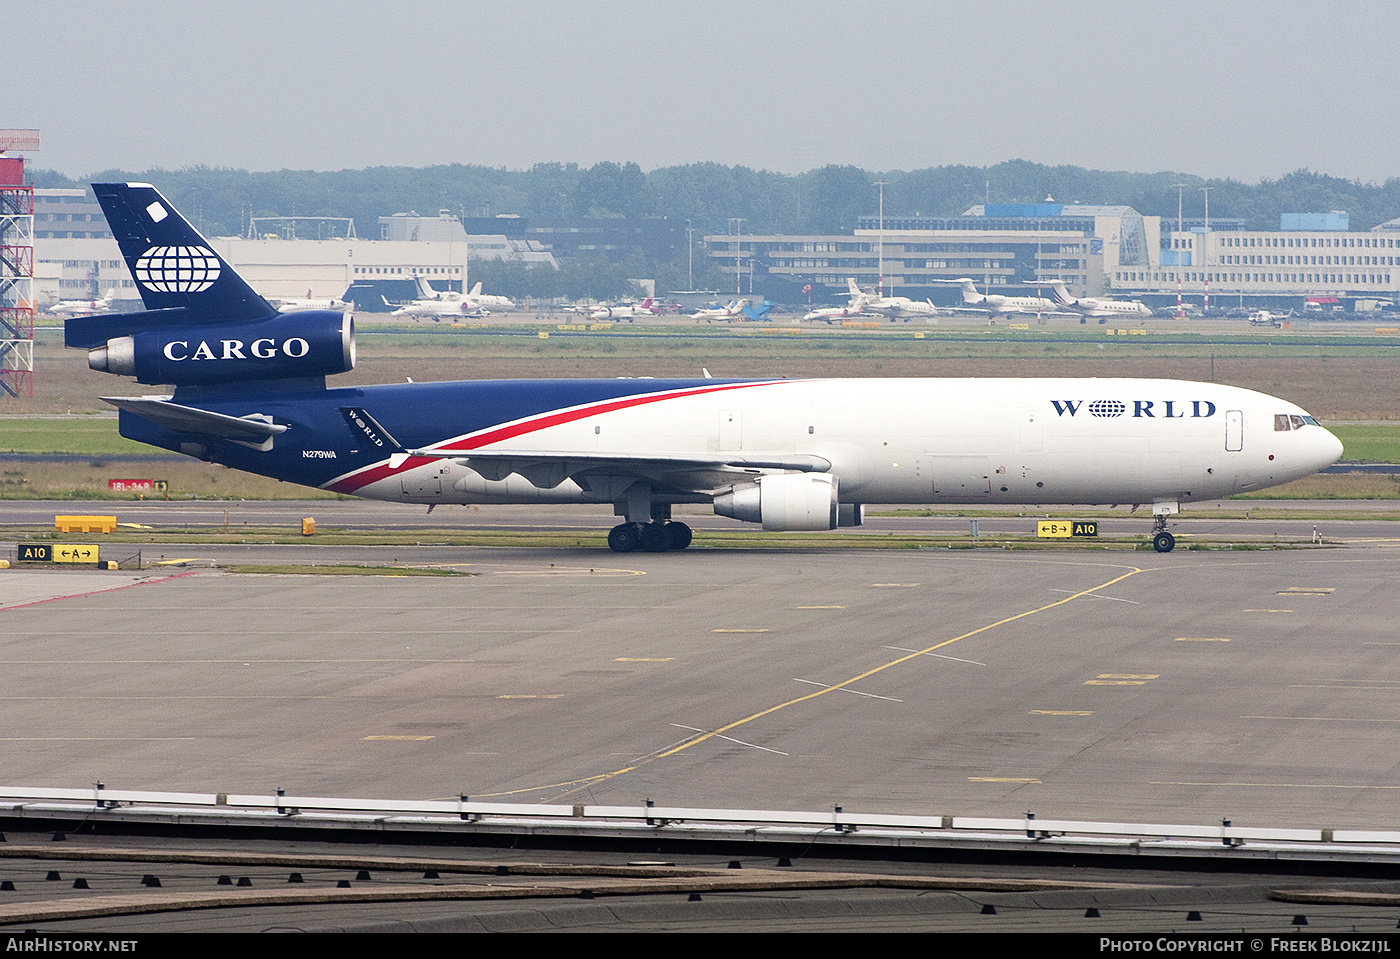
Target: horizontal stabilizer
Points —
{"points": [[189, 419], [92, 332]]}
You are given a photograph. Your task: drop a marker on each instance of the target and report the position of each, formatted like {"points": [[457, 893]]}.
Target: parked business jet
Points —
{"points": [[1092, 306], [997, 303], [717, 312], [83, 307], [480, 300], [432, 302], [895, 307], [855, 307], [309, 302], [250, 392], [625, 312]]}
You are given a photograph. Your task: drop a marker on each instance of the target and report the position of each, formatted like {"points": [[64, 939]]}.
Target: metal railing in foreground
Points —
{"points": [[838, 826]]}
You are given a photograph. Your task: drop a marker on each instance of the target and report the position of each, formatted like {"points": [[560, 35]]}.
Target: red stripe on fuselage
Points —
{"points": [[373, 474]]}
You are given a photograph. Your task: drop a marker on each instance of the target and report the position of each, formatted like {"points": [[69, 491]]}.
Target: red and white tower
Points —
{"points": [[16, 266]]}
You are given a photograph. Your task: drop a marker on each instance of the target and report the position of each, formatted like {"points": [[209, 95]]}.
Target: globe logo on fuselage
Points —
{"points": [[1107, 408], [177, 269]]}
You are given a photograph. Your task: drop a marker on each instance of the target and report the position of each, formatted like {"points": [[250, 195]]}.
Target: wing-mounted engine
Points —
{"points": [[784, 501]]}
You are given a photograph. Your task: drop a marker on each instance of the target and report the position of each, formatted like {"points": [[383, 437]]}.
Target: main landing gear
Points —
{"points": [[654, 537]]}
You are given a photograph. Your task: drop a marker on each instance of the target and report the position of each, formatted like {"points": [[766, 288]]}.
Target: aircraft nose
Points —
{"points": [[1329, 448]]}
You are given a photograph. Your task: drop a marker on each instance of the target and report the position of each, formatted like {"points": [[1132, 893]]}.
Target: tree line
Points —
{"points": [[828, 200]]}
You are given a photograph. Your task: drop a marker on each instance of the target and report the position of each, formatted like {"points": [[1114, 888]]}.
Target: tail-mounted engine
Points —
{"points": [[284, 346]]}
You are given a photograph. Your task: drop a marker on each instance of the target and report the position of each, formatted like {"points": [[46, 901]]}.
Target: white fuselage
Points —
{"points": [[735, 308], [834, 313], [620, 312], [1092, 306], [300, 304], [83, 307], [996, 303], [1004, 441], [900, 306]]}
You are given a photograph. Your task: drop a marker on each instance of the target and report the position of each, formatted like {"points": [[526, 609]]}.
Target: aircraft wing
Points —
{"points": [[689, 472], [188, 419]]}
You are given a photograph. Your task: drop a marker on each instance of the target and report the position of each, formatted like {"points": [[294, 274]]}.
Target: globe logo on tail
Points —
{"points": [[177, 269]]}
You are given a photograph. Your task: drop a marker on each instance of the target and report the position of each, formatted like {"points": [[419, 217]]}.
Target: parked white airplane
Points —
{"points": [[308, 302], [892, 306], [856, 307], [83, 307], [250, 393], [448, 303], [488, 300], [997, 303], [732, 309], [625, 312], [1092, 306]]}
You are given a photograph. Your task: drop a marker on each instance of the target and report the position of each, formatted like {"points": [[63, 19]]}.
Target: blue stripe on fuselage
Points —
{"points": [[320, 446]]}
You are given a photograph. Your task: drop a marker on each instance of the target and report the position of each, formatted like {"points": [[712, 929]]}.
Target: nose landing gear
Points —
{"points": [[1162, 541]]}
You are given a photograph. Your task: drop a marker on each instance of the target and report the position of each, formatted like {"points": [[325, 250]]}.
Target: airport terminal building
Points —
{"points": [[1006, 248], [1311, 256], [1096, 250], [1000, 246], [76, 257]]}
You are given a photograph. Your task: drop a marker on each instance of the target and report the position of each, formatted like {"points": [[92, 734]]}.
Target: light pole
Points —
{"points": [[737, 222], [1205, 238], [880, 268], [690, 251]]}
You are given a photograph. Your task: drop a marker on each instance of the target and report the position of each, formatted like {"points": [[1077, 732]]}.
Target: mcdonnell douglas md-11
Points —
{"points": [[250, 392]]}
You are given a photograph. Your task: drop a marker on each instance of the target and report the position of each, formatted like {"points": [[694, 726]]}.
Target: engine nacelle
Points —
{"points": [[784, 501], [285, 346]]}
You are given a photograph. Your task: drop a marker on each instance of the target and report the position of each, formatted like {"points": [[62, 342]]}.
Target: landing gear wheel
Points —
{"points": [[678, 534], [655, 539], [1163, 542], [624, 537]]}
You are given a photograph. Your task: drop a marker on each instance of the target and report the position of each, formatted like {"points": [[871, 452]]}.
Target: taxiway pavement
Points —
{"points": [[1078, 684]]}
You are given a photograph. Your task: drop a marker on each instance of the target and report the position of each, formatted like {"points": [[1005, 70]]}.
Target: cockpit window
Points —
{"points": [[1310, 421], [1297, 421], [1281, 423]]}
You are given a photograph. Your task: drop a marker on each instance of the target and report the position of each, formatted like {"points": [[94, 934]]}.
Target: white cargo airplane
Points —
{"points": [[250, 393], [899, 307], [83, 307], [997, 303], [1092, 306]]}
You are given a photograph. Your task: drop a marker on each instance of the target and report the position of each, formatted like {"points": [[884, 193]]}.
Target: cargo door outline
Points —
{"points": [[962, 477], [1234, 431], [1032, 432], [731, 430], [423, 484]]}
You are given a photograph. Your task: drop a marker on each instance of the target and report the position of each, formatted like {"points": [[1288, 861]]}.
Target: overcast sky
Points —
{"points": [[1240, 89]]}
